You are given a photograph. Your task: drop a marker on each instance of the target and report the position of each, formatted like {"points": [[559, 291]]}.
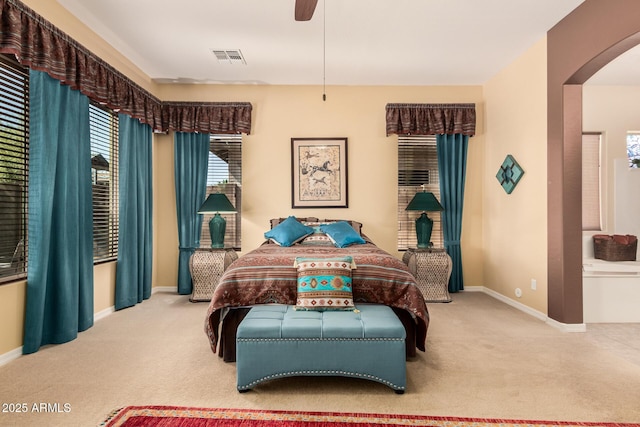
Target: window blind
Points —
{"points": [[417, 166], [14, 168], [591, 209], [224, 175], [103, 126]]}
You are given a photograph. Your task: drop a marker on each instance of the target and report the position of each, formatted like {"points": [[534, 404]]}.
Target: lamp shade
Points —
{"points": [[216, 203], [425, 202]]}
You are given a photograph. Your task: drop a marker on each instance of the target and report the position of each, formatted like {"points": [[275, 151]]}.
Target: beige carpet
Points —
{"points": [[484, 359]]}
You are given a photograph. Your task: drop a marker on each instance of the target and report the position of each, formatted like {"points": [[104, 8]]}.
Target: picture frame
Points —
{"points": [[319, 173]]}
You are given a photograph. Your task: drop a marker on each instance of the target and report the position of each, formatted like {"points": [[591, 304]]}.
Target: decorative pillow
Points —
{"points": [[355, 224], [318, 237], [324, 283], [342, 234], [288, 232]]}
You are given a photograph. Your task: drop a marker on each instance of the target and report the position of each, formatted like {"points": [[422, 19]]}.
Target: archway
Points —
{"points": [[577, 47]]}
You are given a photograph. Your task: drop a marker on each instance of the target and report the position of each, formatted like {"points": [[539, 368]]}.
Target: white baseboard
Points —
{"points": [[565, 327], [10, 356], [104, 313]]}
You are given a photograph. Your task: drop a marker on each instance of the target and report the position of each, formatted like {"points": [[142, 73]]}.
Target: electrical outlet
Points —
{"points": [[534, 284]]}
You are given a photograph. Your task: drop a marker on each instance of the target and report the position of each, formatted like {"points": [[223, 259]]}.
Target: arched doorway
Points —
{"points": [[577, 47]]}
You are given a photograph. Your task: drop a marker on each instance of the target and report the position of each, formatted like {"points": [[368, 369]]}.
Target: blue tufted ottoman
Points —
{"points": [[275, 341]]}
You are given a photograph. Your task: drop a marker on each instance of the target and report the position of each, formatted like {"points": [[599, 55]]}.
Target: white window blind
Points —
{"points": [[14, 168], [417, 166], [103, 126], [224, 175], [591, 206]]}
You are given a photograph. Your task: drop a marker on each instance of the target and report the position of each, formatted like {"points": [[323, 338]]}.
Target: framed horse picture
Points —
{"points": [[319, 173]]}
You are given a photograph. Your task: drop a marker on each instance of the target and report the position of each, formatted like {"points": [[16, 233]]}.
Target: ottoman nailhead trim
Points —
{"points": [[320, 372], [315, 339]]}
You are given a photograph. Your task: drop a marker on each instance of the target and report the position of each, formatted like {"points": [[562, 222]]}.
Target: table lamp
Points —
{"points": [[217, 203], [425, 202]]}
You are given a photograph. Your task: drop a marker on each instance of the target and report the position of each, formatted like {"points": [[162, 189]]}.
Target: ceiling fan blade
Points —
{"points": [[304, 9]]}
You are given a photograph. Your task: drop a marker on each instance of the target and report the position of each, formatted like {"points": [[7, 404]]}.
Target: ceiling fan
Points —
{"points": [[304, 9]]}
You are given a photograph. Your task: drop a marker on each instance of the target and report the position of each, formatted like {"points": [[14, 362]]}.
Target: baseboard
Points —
{"points": [[10, 356], [103, 313], [565, 327]]}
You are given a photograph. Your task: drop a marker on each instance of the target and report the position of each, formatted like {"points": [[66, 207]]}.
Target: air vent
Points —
{"points": [[229, 56]]}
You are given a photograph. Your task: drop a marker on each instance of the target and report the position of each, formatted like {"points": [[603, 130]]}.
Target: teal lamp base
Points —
{"points": [[217, 227], [424, 225]]}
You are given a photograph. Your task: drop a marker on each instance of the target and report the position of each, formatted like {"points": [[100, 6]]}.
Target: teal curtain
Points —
{"points": [[135, 237], [452, 166], [191, 162], [60, 270]]}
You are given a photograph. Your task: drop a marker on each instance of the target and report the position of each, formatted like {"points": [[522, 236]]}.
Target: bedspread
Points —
{"points": [[267, 275]]}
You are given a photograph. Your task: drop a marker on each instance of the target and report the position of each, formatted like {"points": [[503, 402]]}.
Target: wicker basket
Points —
{"points": [[615, 248]]}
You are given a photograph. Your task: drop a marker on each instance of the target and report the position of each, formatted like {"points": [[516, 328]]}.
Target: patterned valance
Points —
{"points": [[39, 45], [431, 119], [217, 117]]}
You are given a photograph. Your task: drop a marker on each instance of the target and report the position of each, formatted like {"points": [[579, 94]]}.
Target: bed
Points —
{"points": [[266, 275]]}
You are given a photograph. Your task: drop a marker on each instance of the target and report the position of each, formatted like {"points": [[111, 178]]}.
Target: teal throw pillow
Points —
{"points": [[288, 232], [324, 283], [342, 234]]}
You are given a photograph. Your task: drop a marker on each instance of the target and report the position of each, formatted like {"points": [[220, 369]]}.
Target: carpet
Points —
{"points": [[174, 416]]}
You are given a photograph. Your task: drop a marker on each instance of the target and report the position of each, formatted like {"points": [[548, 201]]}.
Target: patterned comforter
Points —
{"points": [[267, 275]]}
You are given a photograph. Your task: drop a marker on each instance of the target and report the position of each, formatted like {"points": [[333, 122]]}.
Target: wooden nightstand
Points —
{"points": [[432, 269], [206, 266]]}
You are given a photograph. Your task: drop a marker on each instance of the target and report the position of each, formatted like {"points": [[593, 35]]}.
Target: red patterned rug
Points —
{"points": [[173, 416]]}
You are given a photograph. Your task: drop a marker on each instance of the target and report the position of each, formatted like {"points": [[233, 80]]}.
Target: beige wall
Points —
{"points": [[515, 225], [358, 113], [12, 303]]}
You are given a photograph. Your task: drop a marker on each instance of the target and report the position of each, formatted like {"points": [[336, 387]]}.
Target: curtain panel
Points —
{"points": [[60, 271], [431, 119], [135, 239], [452, 171], [191, 162], [39, 45]]}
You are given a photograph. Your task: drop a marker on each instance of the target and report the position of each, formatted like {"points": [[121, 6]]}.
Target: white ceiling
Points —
{"points": [[347, 42]]}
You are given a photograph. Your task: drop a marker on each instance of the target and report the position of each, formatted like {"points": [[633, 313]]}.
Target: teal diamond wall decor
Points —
{"points": [[509, 174]]}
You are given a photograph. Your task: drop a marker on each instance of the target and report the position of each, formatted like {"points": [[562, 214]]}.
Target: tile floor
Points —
{"points": [[622, 339]]}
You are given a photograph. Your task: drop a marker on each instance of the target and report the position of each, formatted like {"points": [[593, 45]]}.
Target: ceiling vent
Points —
{"points": [[229, 56]]}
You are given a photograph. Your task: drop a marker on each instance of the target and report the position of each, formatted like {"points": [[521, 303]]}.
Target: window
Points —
{"points": [[591, 209], [14, 168], [103, 128], [633, 149], [417, 166], [225, 176]]}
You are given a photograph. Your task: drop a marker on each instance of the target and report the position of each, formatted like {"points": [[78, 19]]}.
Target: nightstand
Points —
{"points": [[432, 269], [206, 266]]}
